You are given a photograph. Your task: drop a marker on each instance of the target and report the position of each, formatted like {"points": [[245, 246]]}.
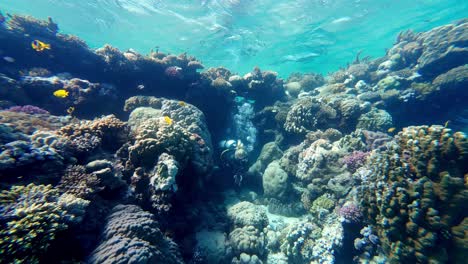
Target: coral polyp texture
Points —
{"points": [[418, 194]]}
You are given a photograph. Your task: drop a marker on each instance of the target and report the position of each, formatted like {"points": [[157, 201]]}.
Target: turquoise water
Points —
{"points": [[285, 36]]}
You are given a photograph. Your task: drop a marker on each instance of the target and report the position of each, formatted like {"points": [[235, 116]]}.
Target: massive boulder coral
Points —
{"points": [[31, 217], [170, 136], [131, 235], [175, 124], [309, 114], [275, 181], [417, 196], [307, 242], [270, 151], [247, 240]]}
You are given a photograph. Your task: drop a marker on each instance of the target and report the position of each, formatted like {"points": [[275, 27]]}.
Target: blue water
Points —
{"points": [[284, 36]]}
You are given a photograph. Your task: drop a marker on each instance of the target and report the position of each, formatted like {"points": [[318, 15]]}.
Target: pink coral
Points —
{"points": [[351, 213], [29, 109], [174, 72], [355, 160]]}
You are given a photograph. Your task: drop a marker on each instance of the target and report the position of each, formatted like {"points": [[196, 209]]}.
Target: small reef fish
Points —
{"points": [[391, 130], [140, 87], [168, 120], [70, 110], [9, 59], [446, 123], [38, 45], [61, 93], [182, 103]]}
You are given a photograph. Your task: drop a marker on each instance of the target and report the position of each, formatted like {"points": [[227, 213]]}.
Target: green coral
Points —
{"points": [[323, 204], [30, 218]]}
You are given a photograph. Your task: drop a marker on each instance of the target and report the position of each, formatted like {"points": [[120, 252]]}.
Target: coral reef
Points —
{"points": [[31, 216], [346, 172], [275, 181], [417, 196], [86, 136], [247, 240], [309, 114]]}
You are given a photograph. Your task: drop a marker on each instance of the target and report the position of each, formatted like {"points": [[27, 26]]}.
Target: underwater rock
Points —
{"points": [[171, 121], [131, 235]]}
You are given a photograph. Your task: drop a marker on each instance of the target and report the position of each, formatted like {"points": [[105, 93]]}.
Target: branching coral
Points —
{"points": [[31, 216], [79, 183]]}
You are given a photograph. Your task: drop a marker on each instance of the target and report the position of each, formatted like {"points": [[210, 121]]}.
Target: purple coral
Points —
{"points": [[174, 72], [351, 213], [355, 160], [29, 109]]}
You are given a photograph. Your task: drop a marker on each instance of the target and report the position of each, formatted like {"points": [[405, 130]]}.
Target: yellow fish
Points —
{"points": [[38, 45], [446, 123], [168, 120], [182, 103], [61, 93], [390, 130], [70, 110]]}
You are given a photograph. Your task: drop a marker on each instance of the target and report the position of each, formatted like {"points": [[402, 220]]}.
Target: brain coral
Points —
{"points": [[131, 235], [418, 196]]}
